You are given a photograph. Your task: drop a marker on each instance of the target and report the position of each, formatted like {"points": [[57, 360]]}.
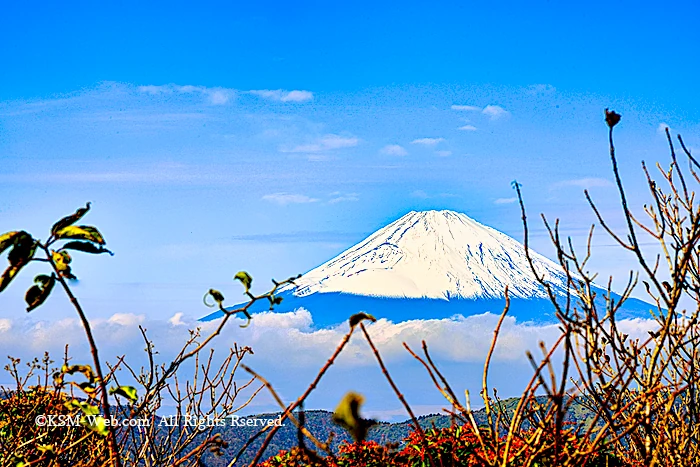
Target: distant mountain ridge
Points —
{"points": [[319, 422], [431, 264]]}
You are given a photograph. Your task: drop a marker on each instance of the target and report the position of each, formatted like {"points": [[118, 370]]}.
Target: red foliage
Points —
{"points": [[449, 447]]}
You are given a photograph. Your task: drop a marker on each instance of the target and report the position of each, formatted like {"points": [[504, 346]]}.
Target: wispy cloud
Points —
{"points": [[428, 141], [494, 112], [394, 150], [467, 128], [588, 182], [162, 173], [470, 108], [443, 153], [326, 143], [284, 199], [422, 194], [283, 95], [302, 237], [339, 197], [219, 95], [505, 200], [215, 96]]}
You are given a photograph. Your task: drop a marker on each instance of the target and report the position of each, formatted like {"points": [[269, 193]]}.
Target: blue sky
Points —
{"points": [[272, 136]]}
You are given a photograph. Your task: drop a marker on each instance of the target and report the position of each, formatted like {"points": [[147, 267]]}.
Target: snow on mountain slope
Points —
{"points": [[432, 264], [433, 254]]}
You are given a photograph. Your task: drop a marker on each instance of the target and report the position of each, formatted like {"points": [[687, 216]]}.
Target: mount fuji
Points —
{"points": [[429, 265]]}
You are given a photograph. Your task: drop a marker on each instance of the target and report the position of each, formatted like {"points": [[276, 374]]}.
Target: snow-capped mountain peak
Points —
{"points": [[433, 254]]}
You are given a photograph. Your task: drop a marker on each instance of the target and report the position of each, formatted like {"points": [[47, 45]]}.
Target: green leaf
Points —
{"points": [[22, 252], [84, 369], [62, 260], [87, 409], [70, 220], [216, 295], [245, 279], [86, 247], [37, 294], [7, 276], [81, 232], [7, 240], [24, 249], [347, 415], [358, 317], [62, 257], [96, 424], [58, 379], [125, 391], [43, 279], [87, 387], [274, 299]]}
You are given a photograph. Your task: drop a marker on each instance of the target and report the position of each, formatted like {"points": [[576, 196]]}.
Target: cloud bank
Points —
{"points": [[289, 349], [288, 339]]}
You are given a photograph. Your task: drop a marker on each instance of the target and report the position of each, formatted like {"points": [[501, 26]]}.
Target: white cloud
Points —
{"points": [[422, 194], [428, 141], [343, 197], [394, 150], [219, 96], [126, 319], [176, 320], [443, 153], [494, 112], [471, 108], [505, 200], [283, 95], [467, 128], [161, 173], [288, 198], [154, 90], [299, 320], [318, 157], [273, 335], [290, 350], [215, 96], [326, 143], [587, 182], [298, 96], [189, 88]]}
